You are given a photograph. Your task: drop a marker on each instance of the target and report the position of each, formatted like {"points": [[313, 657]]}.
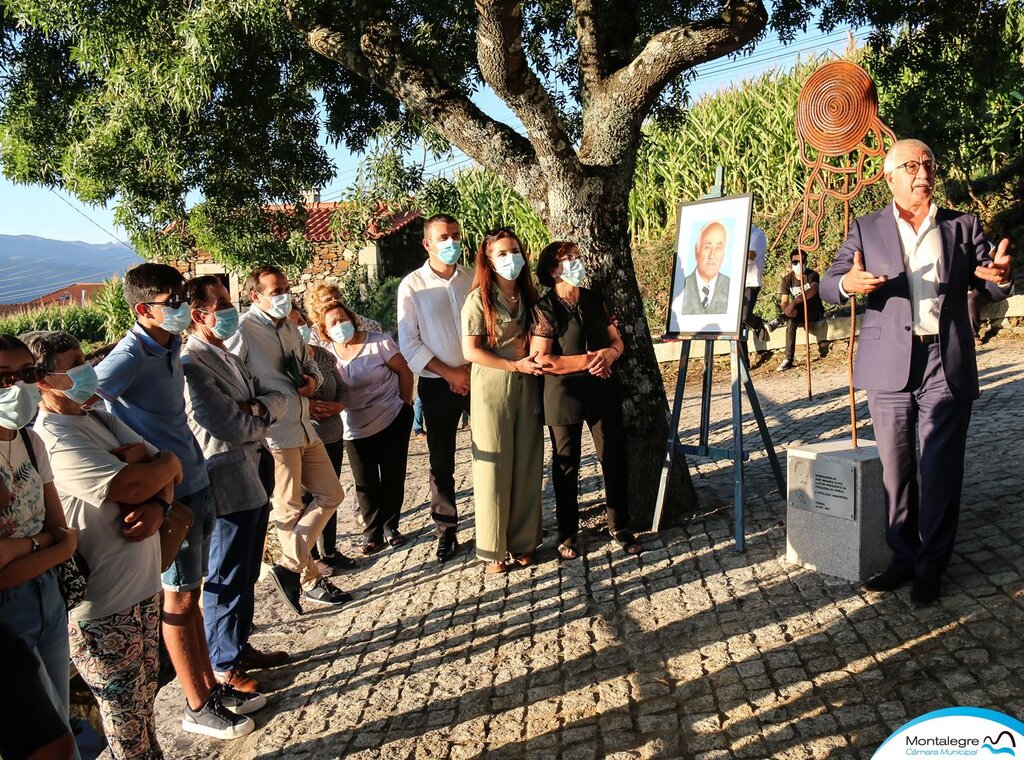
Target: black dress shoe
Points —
{"points": [[889, 580], [925, 591], [446, 545]]}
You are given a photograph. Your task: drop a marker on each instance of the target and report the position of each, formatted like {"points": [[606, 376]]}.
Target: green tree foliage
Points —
{"points": [[155, 104]]}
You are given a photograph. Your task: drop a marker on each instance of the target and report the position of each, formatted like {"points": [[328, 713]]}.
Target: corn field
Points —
{"points": [[485, 202], [748, 129], [105, 320]]}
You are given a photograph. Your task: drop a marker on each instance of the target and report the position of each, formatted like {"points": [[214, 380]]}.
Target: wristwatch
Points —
{"points": [[163, 503], [35, 545]]}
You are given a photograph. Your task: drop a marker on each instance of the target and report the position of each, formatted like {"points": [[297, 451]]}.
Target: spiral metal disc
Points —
{"points": [[837, 107]]}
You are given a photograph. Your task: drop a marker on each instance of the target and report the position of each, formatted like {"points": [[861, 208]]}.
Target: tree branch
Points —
{"points": [[591, 68], [379, 57], [612, 121], [504, 67], [667, 54]]}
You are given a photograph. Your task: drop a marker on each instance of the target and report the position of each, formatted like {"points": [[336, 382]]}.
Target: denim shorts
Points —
{"points": [[187, 571]]}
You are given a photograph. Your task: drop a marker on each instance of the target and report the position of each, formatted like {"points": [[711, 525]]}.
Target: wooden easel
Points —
{"points": [[740, 373]]}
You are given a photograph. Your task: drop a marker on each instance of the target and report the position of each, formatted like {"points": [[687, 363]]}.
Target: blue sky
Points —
{"points": [[32, 210]]}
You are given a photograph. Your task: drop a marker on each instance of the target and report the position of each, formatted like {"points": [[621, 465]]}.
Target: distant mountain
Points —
{"points": [[32, 266]]}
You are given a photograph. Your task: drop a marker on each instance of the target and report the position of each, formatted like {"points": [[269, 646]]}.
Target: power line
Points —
{"points": [[92, 221]]}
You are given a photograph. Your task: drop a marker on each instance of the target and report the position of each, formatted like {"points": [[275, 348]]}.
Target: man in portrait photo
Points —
{"points": [[705, 290]]}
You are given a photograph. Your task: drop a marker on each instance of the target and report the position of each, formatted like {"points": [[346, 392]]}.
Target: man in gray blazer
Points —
{"points": [[914, 261], [230, 418], [705, 289]]}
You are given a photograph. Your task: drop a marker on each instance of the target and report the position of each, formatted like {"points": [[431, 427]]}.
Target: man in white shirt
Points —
{"points": [[430, 303], [913, 262]]}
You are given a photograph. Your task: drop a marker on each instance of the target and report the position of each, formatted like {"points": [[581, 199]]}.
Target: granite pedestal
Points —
{"points": [[835, 509]]}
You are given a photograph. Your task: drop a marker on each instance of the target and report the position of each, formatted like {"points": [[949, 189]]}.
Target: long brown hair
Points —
{"points": [[484, 280]]}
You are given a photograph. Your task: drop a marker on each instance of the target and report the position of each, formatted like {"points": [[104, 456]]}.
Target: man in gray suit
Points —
{"points": [[914, 261], [230, 418], [705, 289]]}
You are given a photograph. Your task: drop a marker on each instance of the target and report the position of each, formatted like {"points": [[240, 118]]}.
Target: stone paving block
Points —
{"points": [[693, 650]]}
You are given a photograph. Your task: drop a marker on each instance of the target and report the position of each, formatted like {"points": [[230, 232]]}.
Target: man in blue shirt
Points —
{"points": [[143, 385]]}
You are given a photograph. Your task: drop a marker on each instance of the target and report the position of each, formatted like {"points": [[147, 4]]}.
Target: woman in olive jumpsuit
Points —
{"points": [[505, 404]]}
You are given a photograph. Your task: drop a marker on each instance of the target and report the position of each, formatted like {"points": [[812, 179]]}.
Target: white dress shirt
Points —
{"points": [[759, 245], [429, 317], [702, 283], [922, 256]]}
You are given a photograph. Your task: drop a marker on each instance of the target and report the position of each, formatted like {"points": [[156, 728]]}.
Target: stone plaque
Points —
{"points": [[826, 485]]}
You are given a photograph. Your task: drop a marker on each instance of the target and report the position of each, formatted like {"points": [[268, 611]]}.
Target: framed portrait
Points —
{"points": [[710, 267]]}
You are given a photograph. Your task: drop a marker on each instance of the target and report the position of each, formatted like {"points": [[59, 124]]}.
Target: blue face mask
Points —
{"points": [[510, 266], [84, 382], [306, 333], [226, 324], [573, 272], [18, 405], [175, 320], [449, 251], [342, 332]]}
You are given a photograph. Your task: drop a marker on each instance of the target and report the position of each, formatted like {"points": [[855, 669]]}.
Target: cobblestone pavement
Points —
{"points": [[690, 651]]}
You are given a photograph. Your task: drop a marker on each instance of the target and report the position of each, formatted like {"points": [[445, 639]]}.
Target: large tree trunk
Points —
{"points": [[594, 217]]}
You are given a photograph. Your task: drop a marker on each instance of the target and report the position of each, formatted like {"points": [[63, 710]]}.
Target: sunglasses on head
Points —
{"points": [[26, 375], [498, 231]]}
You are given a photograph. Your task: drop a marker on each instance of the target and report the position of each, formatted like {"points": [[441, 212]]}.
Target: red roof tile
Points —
{"points": [[69, 294]]}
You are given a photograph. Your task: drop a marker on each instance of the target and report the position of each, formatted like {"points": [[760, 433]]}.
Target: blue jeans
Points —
{"points": [[236, 549], [417, 416], [187, 571], [35, 611]]}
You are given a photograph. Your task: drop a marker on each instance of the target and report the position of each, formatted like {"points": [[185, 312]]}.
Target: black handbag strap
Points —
{"points": [[29, 448]]}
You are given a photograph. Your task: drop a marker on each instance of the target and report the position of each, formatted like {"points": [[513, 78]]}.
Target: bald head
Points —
{"points": [[710, 250]]}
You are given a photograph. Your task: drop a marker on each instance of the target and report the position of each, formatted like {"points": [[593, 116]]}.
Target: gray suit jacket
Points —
{"points": [[230, 439], [884, 347], [692, 302]]}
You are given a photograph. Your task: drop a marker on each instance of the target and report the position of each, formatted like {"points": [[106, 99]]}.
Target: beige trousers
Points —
{"points": [[508, 461], [298, 526]]}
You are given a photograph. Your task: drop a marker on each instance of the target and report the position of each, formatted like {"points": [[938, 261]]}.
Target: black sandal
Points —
{"points": [[567, 549], [628, 542], [372, 547], [397, 539]]}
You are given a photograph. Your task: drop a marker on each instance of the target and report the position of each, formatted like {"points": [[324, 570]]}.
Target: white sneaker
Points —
{"points": [[215, 720], [784, 365]]}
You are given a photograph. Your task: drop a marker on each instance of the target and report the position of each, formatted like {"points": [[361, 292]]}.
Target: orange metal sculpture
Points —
{"points": [[839, 130]]}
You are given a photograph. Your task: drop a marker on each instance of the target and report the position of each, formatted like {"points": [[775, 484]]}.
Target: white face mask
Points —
{"points": [[18, 405], [573, 272], [280, 306], [342, 332], [797, 269]]}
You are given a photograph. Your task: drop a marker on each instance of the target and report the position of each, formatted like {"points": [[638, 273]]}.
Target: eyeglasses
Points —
{"points": [[171, 303], [498, 231], [911, 167], [26, 375]]}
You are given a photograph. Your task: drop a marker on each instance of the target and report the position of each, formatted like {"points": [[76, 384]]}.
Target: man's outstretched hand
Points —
{"points": [[857, 280], [999, 270]]}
